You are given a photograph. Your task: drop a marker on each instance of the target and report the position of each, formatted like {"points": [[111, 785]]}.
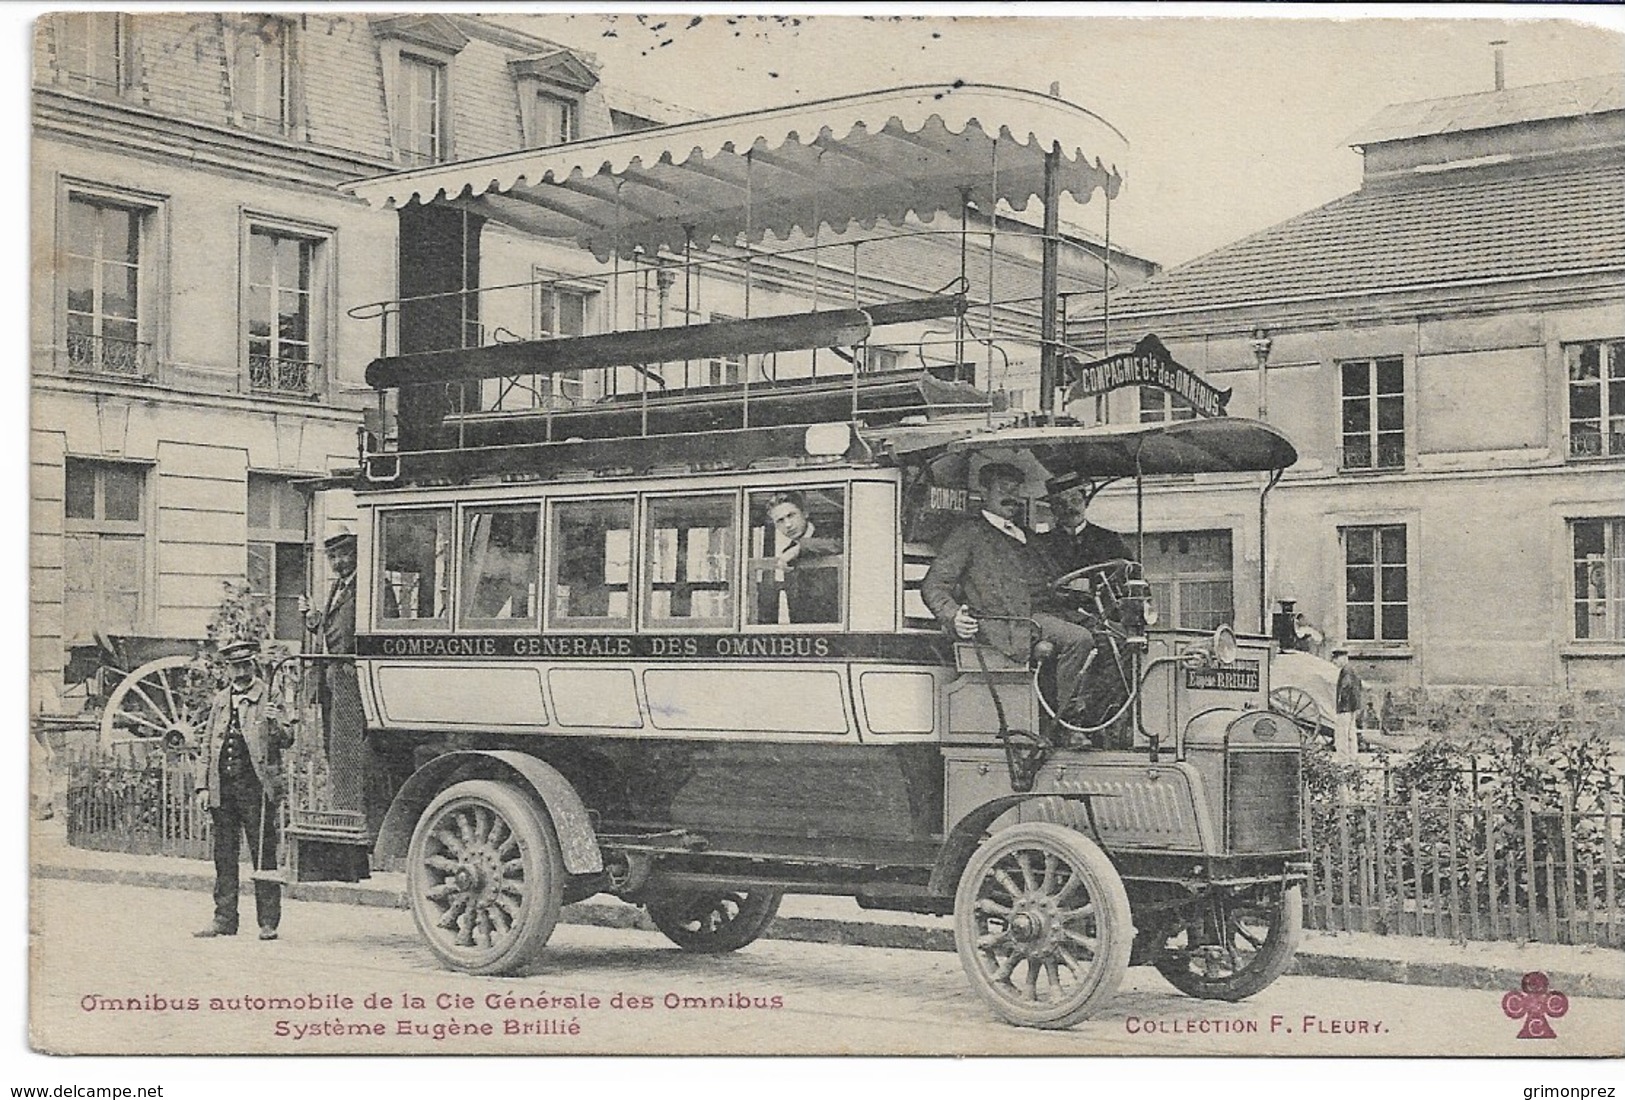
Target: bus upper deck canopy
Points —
{"points": [[834, 162], [1208, 446]]}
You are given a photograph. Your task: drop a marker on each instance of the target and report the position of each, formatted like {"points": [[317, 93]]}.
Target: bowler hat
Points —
{"points": [[242, 650]]}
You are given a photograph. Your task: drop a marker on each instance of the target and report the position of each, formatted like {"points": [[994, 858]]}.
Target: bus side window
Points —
{"points": [[689, 542], [499, 574], [590, 564], [415, 558], [797, 561]]}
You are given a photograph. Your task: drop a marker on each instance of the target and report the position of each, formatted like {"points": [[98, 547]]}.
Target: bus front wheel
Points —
{"points": [[1043, 925], [485, 877]]}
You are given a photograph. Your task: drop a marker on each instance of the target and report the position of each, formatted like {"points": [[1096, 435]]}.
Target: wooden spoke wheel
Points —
{"points": [[710, 922], [155, 701], [1300, 708], [1043, 926], [485, 877], [1236, 947]]}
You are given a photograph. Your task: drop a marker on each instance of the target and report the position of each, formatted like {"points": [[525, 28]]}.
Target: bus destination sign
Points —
{"points": [[1241, 676]]}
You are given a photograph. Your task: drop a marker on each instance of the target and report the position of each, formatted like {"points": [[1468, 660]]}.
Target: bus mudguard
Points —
{"points": [[577, 840], [966, 834]]}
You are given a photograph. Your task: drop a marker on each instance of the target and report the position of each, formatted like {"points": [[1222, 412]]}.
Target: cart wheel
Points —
{"points": [[712, 922], [1043, 925], [485, 877], [1298, 706], [1254, 948], [153, 701]]}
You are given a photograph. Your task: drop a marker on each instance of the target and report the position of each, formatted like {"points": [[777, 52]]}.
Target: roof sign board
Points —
{"points": [[1148, 364]]}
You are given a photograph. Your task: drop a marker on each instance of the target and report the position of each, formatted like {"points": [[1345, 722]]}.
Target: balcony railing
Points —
{"points": [[109, 355], [1388, 454], [1592, 443], [283, 377]]}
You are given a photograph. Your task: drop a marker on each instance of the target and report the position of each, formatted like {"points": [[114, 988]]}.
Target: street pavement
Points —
{"points": [[1405, 960], [116, 970]]}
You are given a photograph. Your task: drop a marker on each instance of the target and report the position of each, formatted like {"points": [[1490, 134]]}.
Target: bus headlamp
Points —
{"points": [[1224, 645]]}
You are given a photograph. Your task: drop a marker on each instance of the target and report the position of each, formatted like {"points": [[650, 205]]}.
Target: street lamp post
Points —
{"points": [[1261, 352]]}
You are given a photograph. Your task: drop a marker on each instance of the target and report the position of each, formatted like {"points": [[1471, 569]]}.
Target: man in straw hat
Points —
{"points": [[242, 783], [990, 580]]}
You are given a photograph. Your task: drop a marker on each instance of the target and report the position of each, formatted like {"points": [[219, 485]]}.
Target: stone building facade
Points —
{"points": [[195, 263], [1446, 346]]}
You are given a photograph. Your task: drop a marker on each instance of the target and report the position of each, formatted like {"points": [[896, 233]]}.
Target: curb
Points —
{"points": [[1315, 964]]}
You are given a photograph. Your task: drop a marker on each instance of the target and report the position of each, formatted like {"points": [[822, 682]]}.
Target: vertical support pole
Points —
{"points": [[749, 231], [964, 282], [992, 255], [1105, 304], [1049, 282]]}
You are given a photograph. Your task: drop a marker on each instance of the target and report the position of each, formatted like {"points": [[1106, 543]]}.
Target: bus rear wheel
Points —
{"points": [[711, 922], [1043, 926], [1236, 948], [485, 877]]}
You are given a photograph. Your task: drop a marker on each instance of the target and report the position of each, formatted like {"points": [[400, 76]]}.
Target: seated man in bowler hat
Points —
{"points": [[242, 783], [989, 580], [1074, 542]]}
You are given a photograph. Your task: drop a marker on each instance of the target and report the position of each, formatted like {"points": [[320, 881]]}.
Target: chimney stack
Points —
{"points": [[1500, 64]]}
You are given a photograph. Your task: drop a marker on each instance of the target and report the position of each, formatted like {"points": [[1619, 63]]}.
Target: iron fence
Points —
{"points": [[1470, 864], [1477, 860]]}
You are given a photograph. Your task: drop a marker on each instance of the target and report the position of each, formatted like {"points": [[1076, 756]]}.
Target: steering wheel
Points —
{"points": [[1113, 574]]}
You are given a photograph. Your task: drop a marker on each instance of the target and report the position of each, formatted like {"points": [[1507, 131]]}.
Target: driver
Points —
{"points": [[987, 578], [1074, 542]]}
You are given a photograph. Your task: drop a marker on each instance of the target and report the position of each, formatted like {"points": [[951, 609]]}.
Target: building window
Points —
{"points": [[551, 86], [1599, 579], [557, 119], [92, 52], [104, 558], [1376, 585], [102, 270], [500, 568], [689, 577], [1158, 406], [559, 311], [420, 128], [415, 558], [1191, 577], [1596, 398], [1373, 414], [281, 312], [262, 73], [878, 359], [724, 370], [279, 550], [589, 568]]}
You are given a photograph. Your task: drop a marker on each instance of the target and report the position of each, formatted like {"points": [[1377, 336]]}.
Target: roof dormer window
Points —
{"points": [[551, 87], [416, 52]]}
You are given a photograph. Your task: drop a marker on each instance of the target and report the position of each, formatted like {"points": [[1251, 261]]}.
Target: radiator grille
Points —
{"points": [[1265, 801]]}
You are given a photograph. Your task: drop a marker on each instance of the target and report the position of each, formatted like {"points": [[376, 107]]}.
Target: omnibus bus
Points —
{"points": [[588, 664]]}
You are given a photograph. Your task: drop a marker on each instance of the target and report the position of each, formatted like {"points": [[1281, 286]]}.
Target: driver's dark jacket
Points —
{"points": [[993, 574], [1065, 551]]}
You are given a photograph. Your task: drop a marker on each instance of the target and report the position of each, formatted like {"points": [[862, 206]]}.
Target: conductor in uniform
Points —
{"points": [[242, 787]]}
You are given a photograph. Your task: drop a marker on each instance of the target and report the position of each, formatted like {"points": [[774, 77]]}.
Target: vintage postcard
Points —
{"points": [[825, 534]]}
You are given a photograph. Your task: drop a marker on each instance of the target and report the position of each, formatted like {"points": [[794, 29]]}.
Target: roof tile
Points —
{"points": [[1384, 238]]}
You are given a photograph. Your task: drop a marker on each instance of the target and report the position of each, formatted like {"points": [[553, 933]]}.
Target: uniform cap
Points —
{"points": [[233, 652]]}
